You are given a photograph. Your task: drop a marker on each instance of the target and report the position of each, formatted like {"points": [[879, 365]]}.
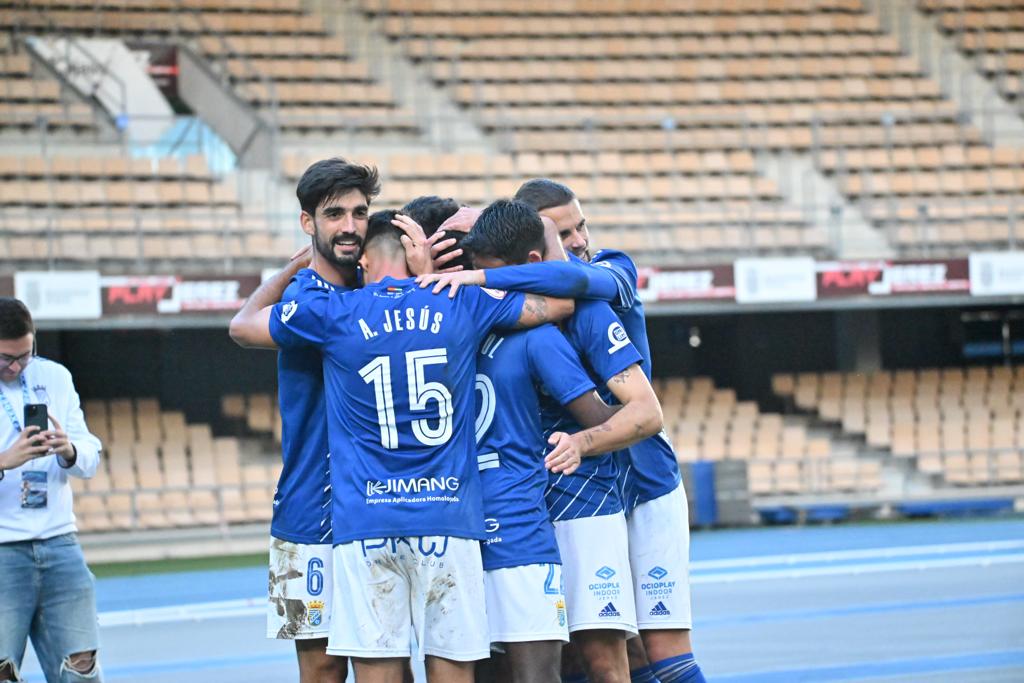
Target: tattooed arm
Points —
{"points": [[639, 417], [538, 310]]}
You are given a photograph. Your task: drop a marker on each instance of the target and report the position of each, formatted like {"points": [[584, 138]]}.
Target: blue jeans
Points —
{"points": [[46, 594]]}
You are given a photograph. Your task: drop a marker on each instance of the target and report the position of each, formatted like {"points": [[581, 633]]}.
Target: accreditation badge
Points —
{"points": [[33, 490]]}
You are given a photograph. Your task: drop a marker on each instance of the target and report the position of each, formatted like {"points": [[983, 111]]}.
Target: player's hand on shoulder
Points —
{"points": [[305, 254], [452, 280], [565, 457]]}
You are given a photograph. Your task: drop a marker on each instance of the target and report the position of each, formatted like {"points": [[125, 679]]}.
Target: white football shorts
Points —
{"points": [[595, 567], [659, 556], [394, 589], [526, 604], [300, 590]]}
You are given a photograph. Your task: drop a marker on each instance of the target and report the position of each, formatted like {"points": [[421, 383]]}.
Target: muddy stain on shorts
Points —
{"points": [[440, 588], [293, 610]]}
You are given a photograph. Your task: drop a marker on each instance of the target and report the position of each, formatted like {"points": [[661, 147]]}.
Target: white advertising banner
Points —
{"points": [[774, 280], [60, 295], [997, 273]]}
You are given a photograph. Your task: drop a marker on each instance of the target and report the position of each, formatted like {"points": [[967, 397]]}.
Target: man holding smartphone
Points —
{"points": [[46, 588]]}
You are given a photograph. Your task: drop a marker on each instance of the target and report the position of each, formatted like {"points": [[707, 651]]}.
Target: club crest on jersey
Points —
{"points": [[617, 337], [315, 612], [288, 310], [495, 293]]}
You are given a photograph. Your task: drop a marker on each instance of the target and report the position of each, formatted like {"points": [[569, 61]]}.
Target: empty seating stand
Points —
{"points": [[963, 425], [277, 57], [31, 99], [159, 472], [989, 31], [709, 424], [659, 206], [682, 75], [935, 199], [118, 212]]}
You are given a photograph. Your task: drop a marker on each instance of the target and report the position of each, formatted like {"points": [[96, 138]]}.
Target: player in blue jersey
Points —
{"points": [[399, 368], [649, 480], [525, 602], [586, 506], [334, 196], [659, 540]]}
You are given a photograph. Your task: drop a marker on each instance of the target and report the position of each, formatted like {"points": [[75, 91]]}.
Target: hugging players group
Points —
{"points": [[475, 471]]}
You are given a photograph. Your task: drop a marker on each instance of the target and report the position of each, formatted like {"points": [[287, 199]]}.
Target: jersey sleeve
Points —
{"points": [[623, 271], [602, 340], [301, 321], [493, 308], [573, 279], [556, 365]]}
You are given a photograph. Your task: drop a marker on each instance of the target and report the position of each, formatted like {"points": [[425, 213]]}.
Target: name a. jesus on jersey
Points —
{"points": [[406, 320]]}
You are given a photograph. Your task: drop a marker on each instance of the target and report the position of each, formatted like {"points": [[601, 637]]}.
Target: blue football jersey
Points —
{"points": [[598, 337], [513, 370], [648, 469], [302, 511], [399, 377]]}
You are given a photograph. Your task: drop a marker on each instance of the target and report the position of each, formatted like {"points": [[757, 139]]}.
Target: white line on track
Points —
{"points": [[980, 558], [866, 554], [796, 572]]}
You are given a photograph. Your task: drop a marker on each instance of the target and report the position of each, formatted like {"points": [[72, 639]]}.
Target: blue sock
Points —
{"points": [[642, 675], [578, 678], [681, 669]]}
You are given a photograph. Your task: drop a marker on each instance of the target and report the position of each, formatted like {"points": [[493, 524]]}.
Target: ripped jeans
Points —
{"points": [[46, 594]]}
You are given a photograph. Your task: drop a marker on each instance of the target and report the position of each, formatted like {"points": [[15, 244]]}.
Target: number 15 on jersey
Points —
{"points": [[378, 373]]}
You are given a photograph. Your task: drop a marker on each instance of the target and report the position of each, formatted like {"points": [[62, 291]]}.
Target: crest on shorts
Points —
{"points": [[560, 607], [315, 612]]}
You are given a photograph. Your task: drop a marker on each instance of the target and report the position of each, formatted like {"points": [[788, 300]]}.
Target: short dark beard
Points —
{"points": [[326, 250]]}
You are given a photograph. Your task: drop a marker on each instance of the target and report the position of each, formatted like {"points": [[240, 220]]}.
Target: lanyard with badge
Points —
{"points": [[33, 482]]}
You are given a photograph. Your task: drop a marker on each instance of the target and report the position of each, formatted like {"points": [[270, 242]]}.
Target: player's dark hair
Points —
{"points": [[430, 211], [466, 258], [509, 230], [544, 193], [331, 178], [15, 319], [379, 229]]}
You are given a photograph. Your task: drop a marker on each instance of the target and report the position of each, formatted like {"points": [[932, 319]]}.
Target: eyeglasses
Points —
{"points": [[22, 360]]}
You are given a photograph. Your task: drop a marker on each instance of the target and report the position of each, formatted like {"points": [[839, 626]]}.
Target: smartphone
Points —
{"points": [[35, 415]]}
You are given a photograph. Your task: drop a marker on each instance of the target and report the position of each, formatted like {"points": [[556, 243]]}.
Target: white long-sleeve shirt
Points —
{"points": [[50, 383]]}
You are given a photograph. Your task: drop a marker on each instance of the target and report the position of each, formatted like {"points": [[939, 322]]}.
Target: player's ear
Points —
{"points": [[308, 226], [534, 256], [364, 262]]}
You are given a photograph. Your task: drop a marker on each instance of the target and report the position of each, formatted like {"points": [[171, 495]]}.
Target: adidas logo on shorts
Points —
{"points": [[660, 610], [609, 611]]}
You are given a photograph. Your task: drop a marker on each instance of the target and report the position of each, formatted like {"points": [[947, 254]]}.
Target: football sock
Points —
{"points": [[681, 669]]}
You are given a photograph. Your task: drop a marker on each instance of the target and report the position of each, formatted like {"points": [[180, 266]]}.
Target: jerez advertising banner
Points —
{"points": [[171, 295], [695, 283], [891, 277]]}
